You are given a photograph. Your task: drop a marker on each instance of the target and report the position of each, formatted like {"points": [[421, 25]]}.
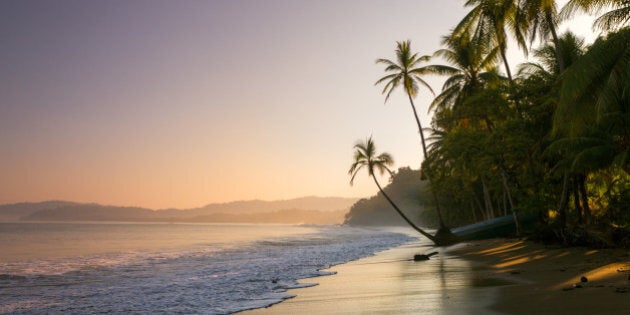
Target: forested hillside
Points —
{"points": [[407, 190]]}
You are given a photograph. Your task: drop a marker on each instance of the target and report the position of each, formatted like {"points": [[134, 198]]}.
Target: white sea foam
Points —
{"points": [[206, 279]]}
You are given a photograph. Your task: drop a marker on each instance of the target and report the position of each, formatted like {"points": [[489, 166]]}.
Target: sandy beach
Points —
{"points": [[500, 276], [549, 277]]}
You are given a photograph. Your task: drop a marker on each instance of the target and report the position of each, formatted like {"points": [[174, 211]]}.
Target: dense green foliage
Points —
{"points": [[552, 141]]}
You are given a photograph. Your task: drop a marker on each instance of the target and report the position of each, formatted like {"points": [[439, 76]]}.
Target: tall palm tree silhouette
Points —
{"points": [[406, 71]]}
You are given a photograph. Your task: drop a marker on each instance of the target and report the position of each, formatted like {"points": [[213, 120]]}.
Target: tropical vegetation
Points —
{"points": [[549, 144]]}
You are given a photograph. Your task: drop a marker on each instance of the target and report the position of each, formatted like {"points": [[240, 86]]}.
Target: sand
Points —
{"points": [[549, 278], [483, 277]]}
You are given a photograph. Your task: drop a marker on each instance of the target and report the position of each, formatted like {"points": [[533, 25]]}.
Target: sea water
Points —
{"points": [[83, 268]]}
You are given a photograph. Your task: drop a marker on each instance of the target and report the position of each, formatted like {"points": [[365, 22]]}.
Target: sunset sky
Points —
{"points": [[183, 103]]}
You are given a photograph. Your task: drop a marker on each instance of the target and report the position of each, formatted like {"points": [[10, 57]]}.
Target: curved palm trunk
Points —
{"points": [[415, 227], [424, 150]]}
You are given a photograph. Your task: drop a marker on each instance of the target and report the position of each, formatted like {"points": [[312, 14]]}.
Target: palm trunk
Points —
{"points": [[479, 206], [583, 192], [415, 227], [487, 200], [564, 198], [506, 65], [565, 179], [576, 200], [424, 150], [556, 42], [517, 103], [509, 198]]}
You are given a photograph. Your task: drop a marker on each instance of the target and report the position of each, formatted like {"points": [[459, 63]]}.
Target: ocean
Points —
{"points": [[88, 268]]}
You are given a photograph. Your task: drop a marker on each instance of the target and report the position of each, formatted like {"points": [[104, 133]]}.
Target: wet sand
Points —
{"points": [[482, 277], [391, 283]]}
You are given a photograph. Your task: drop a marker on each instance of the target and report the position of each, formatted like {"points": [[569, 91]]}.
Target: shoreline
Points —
{"points": [[495, 276], [390, 282]]}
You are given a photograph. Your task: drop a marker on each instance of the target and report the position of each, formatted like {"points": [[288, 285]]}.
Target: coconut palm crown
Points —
{"points": [[404, 71]]}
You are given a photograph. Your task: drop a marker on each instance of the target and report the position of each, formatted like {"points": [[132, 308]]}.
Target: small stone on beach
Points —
{"points": [[583, 279]]}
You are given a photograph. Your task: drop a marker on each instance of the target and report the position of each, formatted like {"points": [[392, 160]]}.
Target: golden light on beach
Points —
{"points": [[315, 157]]}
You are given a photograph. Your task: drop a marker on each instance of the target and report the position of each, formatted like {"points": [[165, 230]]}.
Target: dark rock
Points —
{"points": [[421, 257], [583, 279]]}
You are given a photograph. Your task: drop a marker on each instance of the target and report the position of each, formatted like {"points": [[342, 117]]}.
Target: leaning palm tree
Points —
{"points": [[365, 156], [406, 72]]}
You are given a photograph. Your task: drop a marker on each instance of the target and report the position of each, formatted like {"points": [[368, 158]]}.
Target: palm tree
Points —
{"points": [[540, 17], [563, 52], [473, 87], [596, 91], [609, 21], [365, 156], [406, 72], [569, 47], [488, 22], [472, 68]]}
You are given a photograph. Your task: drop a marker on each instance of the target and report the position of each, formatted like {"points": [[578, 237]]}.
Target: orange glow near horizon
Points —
{"points": [[163, 104]]}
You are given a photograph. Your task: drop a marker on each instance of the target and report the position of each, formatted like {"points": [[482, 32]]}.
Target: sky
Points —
{"points": [[166, 104]]}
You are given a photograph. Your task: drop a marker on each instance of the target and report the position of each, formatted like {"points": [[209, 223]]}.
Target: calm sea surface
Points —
{"points": [[85, 268]]}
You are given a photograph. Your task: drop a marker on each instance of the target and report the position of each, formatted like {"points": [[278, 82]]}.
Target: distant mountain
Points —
{"points": [[16, 211], [92, 212], [290, 216], [259, 206], [308, 210]]}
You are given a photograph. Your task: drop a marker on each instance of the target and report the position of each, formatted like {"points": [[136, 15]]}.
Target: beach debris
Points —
{"points": [[583, 279], [422, 257]]}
